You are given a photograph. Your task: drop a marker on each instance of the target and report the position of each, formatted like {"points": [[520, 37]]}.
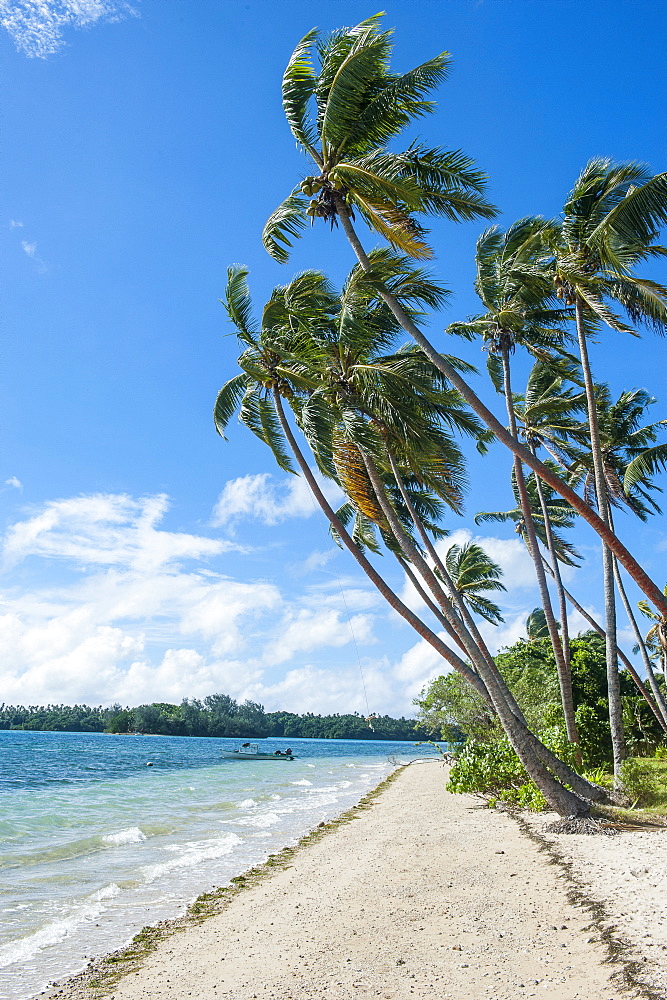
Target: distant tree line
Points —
{"points": [[217, 715]]}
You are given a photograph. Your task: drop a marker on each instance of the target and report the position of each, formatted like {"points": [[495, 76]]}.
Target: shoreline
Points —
{"points": [[459, 901], [99, 976]]}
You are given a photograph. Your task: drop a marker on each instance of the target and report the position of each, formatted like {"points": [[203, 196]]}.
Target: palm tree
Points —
{"points": [[271, 373], [621, 437], [627, 663], [343, 114], [547, 417], [609, 228], [473, 573], [536, 625], [266, 379], [656, 637], [514, 282]]}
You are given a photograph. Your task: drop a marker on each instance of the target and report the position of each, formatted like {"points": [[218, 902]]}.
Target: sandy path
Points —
{"points": [[424, 894]]}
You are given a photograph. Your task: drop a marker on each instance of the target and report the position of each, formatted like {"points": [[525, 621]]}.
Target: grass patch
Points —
{"points": [[645, 782]]}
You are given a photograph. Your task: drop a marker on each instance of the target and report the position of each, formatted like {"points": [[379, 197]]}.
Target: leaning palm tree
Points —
{"points": [[345, 113], [609, 228], [514, 281], [270, 374]]}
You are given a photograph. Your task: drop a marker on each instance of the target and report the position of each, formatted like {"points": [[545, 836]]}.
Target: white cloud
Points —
{"points": [[263, 498], [101, 635], [313, 628], [13, 481], [347, 689], [14, 224], [106, 529], [31, 250], [36, 26], [318, 560]]}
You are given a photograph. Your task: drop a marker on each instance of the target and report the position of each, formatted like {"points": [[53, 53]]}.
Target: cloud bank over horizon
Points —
{"points": [[103, 604]]}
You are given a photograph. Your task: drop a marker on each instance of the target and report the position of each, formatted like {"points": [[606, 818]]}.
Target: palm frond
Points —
{"points": [[398, 102], [396, 226], [284, 225], [228, 400], [259, 415], [237, 301], [356, 74], [644, 301], [648, 463], [636, 216], [299, 81]]}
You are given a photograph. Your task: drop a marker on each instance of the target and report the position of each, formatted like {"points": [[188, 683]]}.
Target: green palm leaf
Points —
{"points": [[259, 415], [299, 83], [648, 463], [362, 66], [396, 105], [637, 216], [284, 225], [237, 300], [228, 400]]}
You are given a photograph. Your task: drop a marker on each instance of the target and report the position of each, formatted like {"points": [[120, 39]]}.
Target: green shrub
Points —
{"points": [[640, 781], [660, 753], [491, 768]]}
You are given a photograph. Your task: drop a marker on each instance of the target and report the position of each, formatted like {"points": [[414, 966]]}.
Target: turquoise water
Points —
{"points": [[95, 845]]}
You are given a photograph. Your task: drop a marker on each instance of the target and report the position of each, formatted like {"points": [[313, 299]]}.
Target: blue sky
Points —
{"points": [[144, 146]]}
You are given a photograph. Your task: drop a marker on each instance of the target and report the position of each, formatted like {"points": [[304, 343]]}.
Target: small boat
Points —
{"points": [[250, 751]]}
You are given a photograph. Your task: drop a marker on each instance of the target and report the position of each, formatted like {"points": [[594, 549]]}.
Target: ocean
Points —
{"points": [[95, 844]]}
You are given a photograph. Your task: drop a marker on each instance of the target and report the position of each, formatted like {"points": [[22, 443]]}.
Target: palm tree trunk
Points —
{"points": [[657, 693], [641, 578], [627, 663], [566, 694], [564, 678], [613, 680], [520, 737], [392, 599], [451, 587], [558, 580]]}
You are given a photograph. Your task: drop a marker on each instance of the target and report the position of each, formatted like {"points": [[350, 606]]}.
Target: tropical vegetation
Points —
{"points": [[217, 715], [329, 384]]}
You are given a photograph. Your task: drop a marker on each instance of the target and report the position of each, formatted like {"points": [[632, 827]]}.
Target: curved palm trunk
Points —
{"points": [[613, 680], [564, 678], [528, 748], [429, 602], [566, 688], [451, 587], [627, 663], [641, 578], [521, 739], [657, 693], [413, 555]]}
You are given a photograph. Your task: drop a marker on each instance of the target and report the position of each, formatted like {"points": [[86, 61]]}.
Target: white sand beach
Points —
{"points": [[422, 895]]}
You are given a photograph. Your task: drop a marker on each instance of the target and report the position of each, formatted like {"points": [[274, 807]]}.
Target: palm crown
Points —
{"points": [[343, 113], [610, 224]]}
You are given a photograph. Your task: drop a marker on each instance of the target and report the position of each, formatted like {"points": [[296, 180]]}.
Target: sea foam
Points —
{"points": [[133, 835]]}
